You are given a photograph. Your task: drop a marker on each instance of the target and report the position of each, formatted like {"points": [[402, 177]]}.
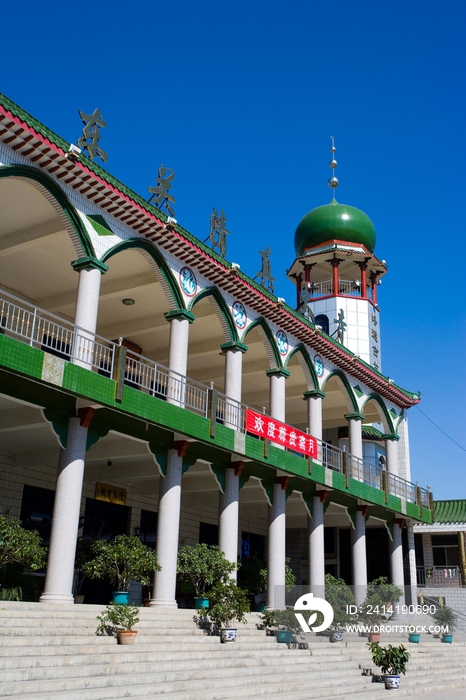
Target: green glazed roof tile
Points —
{"points": [[450, 511]]}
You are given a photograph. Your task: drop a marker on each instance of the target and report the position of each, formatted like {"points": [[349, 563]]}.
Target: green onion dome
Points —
{"points": [[334, 221]]}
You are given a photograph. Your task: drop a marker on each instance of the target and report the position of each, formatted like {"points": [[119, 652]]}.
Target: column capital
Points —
{"points": [[391, 436], [354, 416], [314, 394], [89, 261], [233, 345], [277, 371], [180, 314]]}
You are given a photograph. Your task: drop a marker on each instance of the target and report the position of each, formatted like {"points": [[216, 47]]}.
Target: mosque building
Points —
{"points": [[148, 386]]}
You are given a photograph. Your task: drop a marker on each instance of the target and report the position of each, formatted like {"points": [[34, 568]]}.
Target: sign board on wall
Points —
{"points": [[280, 433], [111, 494]]}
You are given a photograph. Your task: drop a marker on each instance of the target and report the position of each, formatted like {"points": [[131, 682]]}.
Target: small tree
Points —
{"points": [[340, 596], [203, 565], [380, 596], [391, 660], [227, 603], [117, 617], [122, 560], [287, 620], [20, 545]]}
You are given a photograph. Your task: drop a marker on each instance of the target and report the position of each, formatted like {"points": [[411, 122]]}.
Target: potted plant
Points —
{"points": [[203, 565], [122, 560], [391, 660], [379, 600], [340, 597], [228, 603], [446, 619], [119, 620], [288, 625]]}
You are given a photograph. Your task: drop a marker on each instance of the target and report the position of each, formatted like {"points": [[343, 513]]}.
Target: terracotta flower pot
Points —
{"points": [[127, 636]]}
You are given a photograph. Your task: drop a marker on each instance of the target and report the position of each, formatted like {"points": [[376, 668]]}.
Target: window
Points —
{"points": [[208, 534], [445, 550], [252, 545], [148, 528], [37, 510], [322, 320]]}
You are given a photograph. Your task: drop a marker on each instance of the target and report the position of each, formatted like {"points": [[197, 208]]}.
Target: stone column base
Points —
{"points": [[56, 598], [163, 604]]}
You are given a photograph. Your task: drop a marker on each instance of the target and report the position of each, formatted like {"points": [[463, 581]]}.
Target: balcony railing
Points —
{"points": [[55, 335], [439, 576], [346, 287]]}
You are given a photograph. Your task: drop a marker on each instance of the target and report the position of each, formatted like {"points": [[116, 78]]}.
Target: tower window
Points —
{"points": [[322, 320]]}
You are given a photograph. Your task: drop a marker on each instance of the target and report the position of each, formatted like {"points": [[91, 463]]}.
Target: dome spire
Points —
{"points": [[333, 181]]}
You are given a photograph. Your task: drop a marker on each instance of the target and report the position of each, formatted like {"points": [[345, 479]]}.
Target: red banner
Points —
{"points": [[281, 433]]}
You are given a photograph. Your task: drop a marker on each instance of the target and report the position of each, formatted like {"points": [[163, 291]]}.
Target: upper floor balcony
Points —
{"points": [[41, 329]]}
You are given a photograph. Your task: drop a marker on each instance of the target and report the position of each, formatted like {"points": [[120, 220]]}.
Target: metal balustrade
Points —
{"points": [[439, 576], [44, 330], [346, 287]]}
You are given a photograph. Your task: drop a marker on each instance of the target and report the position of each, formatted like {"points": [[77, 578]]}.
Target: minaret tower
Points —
{"points": [[337, 274]]}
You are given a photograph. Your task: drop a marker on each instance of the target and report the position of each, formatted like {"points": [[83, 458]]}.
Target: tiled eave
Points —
{"points": [[146, 220]]}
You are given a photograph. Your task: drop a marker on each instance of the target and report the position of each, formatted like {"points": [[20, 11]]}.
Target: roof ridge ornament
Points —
{"points": [[333, 181]]}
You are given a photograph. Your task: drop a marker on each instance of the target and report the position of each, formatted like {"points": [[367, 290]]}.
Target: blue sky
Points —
{"points": [[240, 98]]}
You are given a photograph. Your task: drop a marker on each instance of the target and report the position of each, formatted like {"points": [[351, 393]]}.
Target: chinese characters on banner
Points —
{"points": [[282, 434]]}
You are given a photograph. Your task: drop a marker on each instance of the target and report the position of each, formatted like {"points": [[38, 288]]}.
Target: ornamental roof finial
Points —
{"points": [[333, 181]]}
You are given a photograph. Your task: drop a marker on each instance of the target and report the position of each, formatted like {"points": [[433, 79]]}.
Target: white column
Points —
{"points": [[315, 530], [228, 509], [87, 308], [233, 380], [391, 447], [277, 378], [412, 565], [65, 522], [396, 560], [168, 526], [276, 550], [355, 443], [404, 466], [178, 353], [314, 412], [358, 546]]}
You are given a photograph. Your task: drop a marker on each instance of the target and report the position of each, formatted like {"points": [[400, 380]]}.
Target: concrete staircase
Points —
{"points": [[51, 652]]}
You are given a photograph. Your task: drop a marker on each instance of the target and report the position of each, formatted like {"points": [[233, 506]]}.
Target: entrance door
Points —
{"points": [[102, 521]]}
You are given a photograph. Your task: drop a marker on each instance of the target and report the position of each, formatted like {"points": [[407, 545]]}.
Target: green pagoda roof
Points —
{"points": [[334, 221], [450, 511]]}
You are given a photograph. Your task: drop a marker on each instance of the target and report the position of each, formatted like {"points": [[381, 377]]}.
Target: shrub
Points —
{"points": [[20, 545], [122, 560], [227, 603], [391, 660], [117, 617], [203, 565]]}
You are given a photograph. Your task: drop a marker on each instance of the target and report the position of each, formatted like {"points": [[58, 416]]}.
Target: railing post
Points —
{"points": [[33, 329], [418, 497], [212, 409], [344, 460], [119, 367], [384, 484]]}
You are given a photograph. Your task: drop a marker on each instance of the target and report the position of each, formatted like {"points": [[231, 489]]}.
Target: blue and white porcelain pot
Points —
{"points": [[392, 682], [228, 634]]}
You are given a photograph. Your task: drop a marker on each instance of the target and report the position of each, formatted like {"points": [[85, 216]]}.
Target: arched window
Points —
{"points": [[322, 320]]}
